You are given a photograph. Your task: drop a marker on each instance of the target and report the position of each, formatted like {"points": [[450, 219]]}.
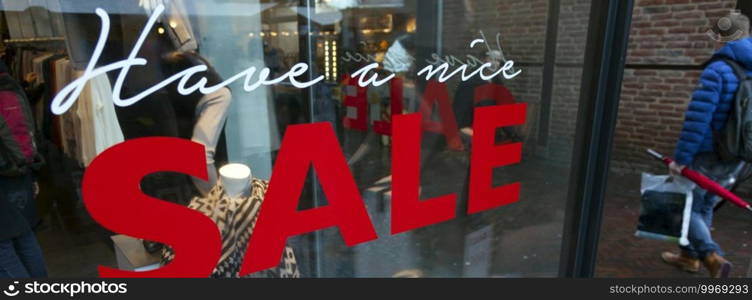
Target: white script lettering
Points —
{"points": [[69, 94]]}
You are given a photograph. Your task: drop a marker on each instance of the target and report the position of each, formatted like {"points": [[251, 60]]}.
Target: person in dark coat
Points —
{"points": [[20, 254]]}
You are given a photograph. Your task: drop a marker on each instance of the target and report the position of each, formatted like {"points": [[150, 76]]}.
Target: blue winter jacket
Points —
{"points": [[708, 111]]}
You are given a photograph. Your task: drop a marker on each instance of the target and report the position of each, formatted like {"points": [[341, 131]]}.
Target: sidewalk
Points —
{"points": [[621, 254]]}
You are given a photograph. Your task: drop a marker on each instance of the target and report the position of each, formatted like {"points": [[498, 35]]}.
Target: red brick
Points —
{"points": [[689, 15], [711, 6], [643, 3], [680, 8], [666, 23], [682, 30]]}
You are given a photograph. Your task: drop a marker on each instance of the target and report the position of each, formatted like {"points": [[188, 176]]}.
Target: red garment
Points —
{"points": [[11, 110]]}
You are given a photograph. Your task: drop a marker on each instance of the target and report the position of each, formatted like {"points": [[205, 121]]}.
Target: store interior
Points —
{"points": [[335, 38]]}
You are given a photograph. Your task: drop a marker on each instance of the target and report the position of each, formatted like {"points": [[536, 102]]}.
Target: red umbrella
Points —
{"points": [[704, 182]]}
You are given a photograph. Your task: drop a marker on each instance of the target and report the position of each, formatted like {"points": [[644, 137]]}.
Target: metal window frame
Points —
{"points": [[745, 7], [549, 64], [605, 55]]}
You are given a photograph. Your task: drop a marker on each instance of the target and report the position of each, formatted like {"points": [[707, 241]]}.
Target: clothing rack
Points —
{"points": [[55, 44], [34, 40]]}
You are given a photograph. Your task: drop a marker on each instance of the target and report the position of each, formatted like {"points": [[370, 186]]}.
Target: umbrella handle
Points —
{"points": [[655, 154], [704, 182], [660, 157]]}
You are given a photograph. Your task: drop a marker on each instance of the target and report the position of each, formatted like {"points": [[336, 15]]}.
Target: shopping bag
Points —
{"points": [[665, 208]]}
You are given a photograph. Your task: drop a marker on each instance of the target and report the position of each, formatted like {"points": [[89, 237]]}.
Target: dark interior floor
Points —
{"points": [[73, 244]]}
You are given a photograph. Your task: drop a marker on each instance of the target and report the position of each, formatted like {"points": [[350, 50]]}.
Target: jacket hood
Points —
{"points": [[739, 51]]}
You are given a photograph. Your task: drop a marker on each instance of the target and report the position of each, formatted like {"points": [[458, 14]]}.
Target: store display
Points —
{"points": [[168, 112], [236, 218], [393, 129], [91, 126], [236, 180], [199, 117]]}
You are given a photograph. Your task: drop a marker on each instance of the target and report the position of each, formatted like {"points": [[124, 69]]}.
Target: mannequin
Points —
{"points": [[236, 180], [234, 205], [198, 117]]}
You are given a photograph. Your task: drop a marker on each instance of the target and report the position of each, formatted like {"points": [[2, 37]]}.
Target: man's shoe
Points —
{"points": [[718, 266], [682, 261]]}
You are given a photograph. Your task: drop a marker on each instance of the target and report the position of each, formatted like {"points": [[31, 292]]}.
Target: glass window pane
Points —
{"points": [[464, 109]]}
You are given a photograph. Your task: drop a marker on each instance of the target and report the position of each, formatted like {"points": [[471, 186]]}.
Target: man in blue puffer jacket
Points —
{"points": [[707, 113]]}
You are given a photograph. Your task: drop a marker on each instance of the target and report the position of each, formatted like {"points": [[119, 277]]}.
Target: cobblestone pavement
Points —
{"points": [[621, 254]]}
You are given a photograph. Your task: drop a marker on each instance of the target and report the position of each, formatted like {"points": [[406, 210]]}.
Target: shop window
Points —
{"points": [[371, 64]]}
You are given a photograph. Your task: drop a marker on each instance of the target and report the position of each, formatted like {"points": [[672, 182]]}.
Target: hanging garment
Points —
{"points": [[107, 129], [28, 63], [98, 127], [236, 219], [26, 20], [62, 128], [56, 73], [41, 17], [38, 91], [14, 22], [38, 66], [56, 18], [83, 127]]}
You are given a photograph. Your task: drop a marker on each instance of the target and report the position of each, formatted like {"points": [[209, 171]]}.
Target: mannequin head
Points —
{"points": [[236, 179]]}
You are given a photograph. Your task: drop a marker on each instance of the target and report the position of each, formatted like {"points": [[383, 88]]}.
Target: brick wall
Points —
{"points": [[664, 32], [673, 31], [522, 25], [570, 54], [653, 100]]}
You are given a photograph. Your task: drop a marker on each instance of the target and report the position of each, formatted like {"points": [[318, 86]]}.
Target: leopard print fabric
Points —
{"points": [[236, 219]]}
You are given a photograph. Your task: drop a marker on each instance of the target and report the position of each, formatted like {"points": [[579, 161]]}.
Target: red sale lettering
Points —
{"points": [[113, 197], [302, 147], [396, 90], [356, 104], [486, 156], [436, 93], [115, 204], [408, 211]]}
